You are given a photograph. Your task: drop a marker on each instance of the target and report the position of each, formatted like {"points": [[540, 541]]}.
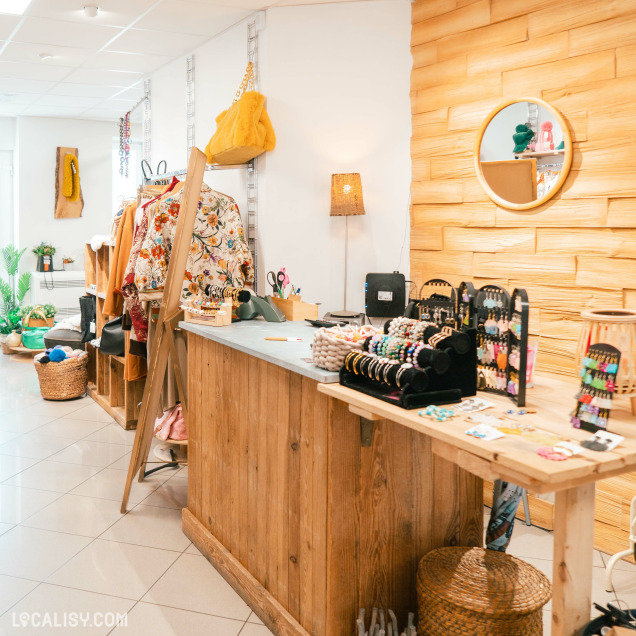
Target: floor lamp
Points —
{"points": [[346, 200]]}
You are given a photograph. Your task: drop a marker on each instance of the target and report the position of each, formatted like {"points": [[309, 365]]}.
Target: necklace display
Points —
{"points": [[124, 145], [598, 382]]}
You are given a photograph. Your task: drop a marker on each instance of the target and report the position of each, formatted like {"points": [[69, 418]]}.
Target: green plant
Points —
{"points": [[44, 249], [49, 311], [13, 291]]}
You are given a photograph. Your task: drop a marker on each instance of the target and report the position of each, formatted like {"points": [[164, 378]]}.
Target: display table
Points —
{"points": [[313, 500]]}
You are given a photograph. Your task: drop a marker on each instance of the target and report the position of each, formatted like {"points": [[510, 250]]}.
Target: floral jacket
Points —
{"points": [[219, 254], [132, 304]]}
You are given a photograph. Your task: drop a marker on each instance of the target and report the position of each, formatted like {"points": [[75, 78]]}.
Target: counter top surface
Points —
{"points": [[249, 337], [514, 457]]}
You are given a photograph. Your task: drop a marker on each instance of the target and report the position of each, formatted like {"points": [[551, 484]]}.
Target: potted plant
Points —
{"points": [[12, 292], [34, 316], [44, 252]]}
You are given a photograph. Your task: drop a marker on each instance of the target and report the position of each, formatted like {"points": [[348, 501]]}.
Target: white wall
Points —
{"points": [[37, 141], [7, 133], [336, 77]]}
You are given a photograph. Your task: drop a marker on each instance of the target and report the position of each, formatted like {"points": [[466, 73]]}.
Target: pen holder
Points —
{"points": [[295, 309]]}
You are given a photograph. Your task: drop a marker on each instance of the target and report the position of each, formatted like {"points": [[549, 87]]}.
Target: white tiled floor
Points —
{"points": [[65, 547]]}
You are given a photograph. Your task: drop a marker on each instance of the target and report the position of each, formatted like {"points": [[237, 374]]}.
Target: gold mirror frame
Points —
{"points": [[567, 155]]}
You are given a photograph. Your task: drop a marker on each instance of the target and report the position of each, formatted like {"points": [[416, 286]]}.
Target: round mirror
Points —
{"points": [[523, 153]]}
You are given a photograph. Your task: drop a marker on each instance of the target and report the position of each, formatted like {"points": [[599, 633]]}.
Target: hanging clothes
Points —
{"points": [[129, 289], [218, 255], [114, 303]]}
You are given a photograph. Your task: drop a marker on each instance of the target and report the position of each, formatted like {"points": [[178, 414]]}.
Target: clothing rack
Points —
{"points": [[549, 165], [167, 176]]}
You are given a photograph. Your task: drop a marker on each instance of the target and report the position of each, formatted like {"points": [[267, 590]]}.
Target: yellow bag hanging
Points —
{"points": [[71, 182], [244, 130]]}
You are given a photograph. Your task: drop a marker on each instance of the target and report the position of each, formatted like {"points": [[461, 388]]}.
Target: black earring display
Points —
{"points": [[502, 341], [598, 383], [443, 305], [440, 305]]}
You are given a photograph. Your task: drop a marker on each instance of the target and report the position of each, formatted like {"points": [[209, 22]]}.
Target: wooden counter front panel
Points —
{"points": [[278, 476]]}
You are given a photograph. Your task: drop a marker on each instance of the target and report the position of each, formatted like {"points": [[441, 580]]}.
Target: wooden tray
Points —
{"points": [[295, 309]]}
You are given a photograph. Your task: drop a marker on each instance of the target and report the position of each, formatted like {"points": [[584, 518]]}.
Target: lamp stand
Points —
{"points": [[345, 313]]}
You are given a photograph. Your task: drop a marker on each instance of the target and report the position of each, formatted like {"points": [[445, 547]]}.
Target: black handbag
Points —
{"points": [[113, 342], [88, 308]]}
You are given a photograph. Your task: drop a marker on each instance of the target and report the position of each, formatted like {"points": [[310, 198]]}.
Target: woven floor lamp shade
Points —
{"points": [[346, 194]]}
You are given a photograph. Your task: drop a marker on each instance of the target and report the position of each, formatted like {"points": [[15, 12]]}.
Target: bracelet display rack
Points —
{"points": [[501, 322], [437, 367]]}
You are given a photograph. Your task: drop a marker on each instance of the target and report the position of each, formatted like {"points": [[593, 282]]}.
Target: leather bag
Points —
{"points": [[113, 342]]}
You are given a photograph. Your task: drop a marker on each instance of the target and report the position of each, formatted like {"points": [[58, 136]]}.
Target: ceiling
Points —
{"points": [[97, 65]]}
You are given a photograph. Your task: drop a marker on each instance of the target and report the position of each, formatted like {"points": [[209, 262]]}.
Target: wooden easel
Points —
{"points": [[163, 343]]}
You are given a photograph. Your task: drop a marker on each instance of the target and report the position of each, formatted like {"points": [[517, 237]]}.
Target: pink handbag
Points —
{"points": [[171, 425]]}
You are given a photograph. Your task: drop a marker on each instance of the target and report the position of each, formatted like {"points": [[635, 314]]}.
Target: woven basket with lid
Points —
{"points": [[477, 592]]}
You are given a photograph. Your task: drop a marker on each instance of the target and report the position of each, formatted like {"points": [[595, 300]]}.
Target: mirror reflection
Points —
{"points": [[522, 152]]}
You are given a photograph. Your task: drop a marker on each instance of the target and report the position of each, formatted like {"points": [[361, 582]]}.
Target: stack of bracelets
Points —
{"points": [[436, 337], [235, 294], [409, 351], [389, 372]]}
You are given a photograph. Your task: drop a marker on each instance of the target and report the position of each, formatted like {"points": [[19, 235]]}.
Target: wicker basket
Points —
{"points": [[63, 380], [328, 351], [477, 592]]}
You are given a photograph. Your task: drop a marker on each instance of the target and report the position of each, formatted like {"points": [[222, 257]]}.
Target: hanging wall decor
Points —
{"points": [[124, 145], [69, 201]]}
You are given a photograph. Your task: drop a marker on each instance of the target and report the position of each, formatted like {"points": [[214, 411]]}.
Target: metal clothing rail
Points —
{"points": [[209, 167]]}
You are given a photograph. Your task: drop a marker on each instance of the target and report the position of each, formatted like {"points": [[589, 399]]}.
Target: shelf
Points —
{"points": [[26, 350], [547, 153], [118, 413]]}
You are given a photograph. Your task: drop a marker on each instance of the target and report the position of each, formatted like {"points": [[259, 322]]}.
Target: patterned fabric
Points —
{"points": [[132, 304], [218, 255]]}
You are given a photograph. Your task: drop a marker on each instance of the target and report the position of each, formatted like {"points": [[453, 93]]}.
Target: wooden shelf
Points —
{"points": [[547, 153], [26, 350], [107, 385]]}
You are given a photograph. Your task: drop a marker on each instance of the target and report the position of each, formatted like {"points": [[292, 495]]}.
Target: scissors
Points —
{"points": [[277, 281]]}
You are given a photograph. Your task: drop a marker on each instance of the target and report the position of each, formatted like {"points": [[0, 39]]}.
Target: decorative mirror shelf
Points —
{"points": [[523, 153]]}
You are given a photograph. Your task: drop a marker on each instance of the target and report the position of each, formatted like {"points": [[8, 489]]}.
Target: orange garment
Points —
{"points": [[134, 366], [114, 305]]}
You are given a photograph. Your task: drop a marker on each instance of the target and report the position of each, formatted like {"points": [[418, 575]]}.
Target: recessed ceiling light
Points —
{"points": [[15, 7], [45, 56], [90, 11]]}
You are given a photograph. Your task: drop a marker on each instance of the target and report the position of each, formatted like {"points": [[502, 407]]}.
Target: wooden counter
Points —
{"points": [[313, 500], [514, 458], [305, 522]]}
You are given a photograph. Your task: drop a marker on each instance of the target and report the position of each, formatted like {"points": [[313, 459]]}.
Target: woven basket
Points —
{"points": [[477, 592], [63, 380], [328, 351]]}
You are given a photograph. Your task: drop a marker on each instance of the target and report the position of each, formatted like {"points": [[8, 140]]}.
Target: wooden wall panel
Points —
{"points": [[579, 249]]}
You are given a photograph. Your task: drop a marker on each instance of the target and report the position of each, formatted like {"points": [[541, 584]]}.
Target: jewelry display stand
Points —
{"points": [[502, 332], [445, 374], [444, 305]]}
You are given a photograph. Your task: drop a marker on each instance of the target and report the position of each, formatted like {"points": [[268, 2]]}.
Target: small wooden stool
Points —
{"points": [[477, 592]]}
